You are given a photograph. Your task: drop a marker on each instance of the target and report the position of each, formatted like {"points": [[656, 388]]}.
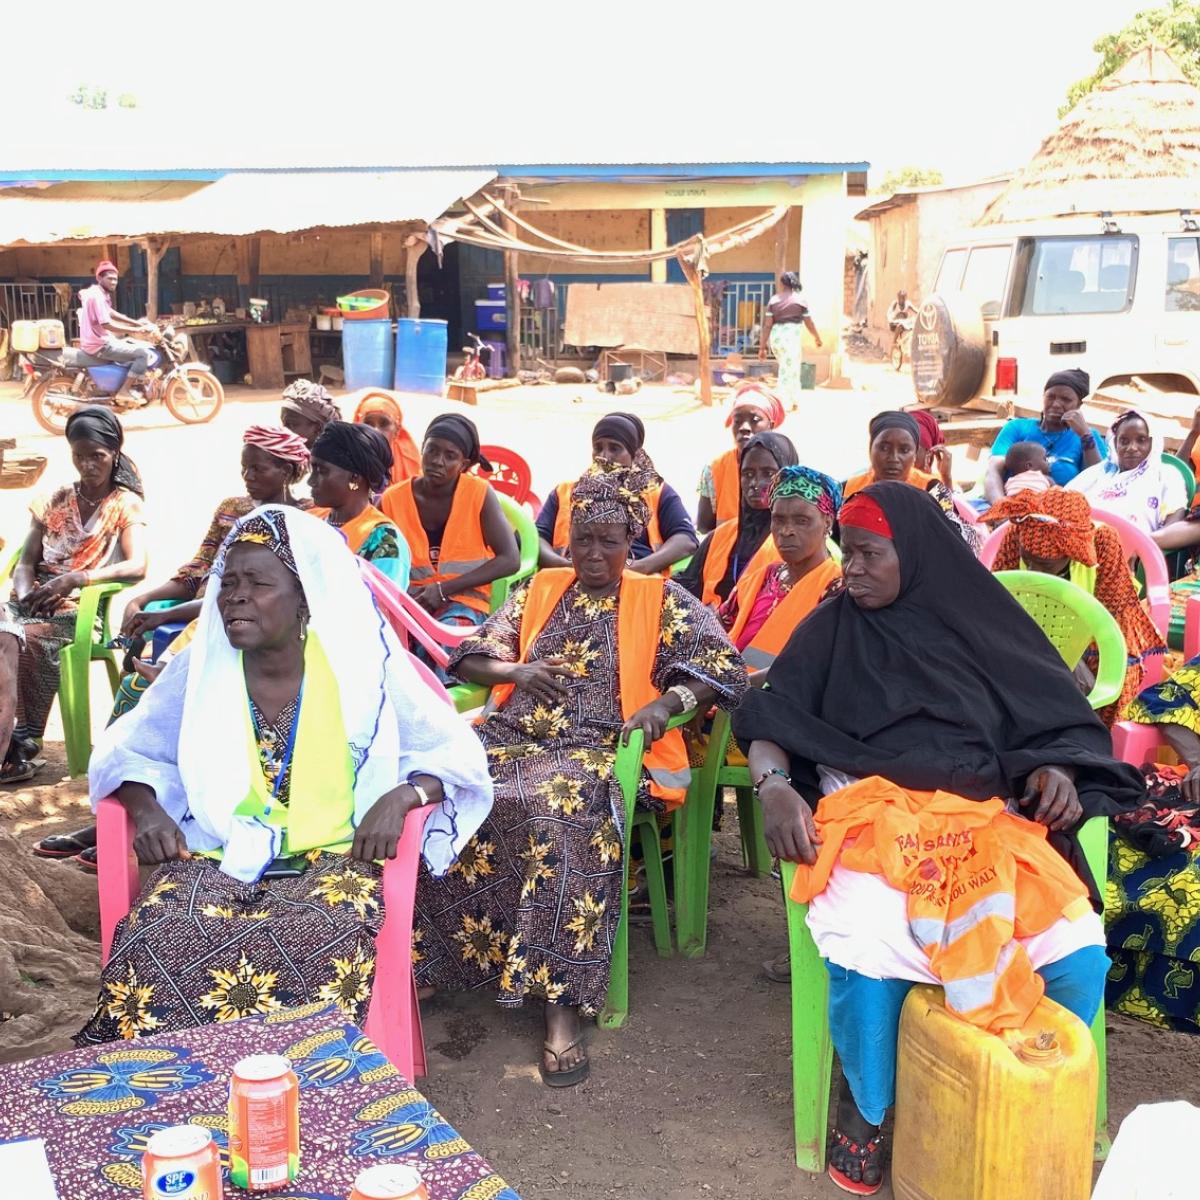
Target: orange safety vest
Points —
{"points": [[562, 522], [724, 538], [918, 479], [727, 485], [639, 616], [788, 613], [977, 878], [463, 546], [357, 530]]}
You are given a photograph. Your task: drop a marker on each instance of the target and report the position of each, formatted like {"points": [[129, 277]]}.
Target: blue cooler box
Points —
{"points": [[495, 291], [490, 314]]}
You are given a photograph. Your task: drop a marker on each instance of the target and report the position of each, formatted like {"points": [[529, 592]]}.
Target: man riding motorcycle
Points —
{"points": [[102, 330]]}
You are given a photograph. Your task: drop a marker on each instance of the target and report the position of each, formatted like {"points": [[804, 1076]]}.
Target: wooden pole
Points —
{"points": [[248, 257], [512, 294], [155, 249], [376, 275], [704, 334], [413, 249], [781, 249]]}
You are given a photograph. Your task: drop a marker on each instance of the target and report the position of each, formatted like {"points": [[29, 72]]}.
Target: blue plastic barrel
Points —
{"points": [[421, 356], [367, 353]]}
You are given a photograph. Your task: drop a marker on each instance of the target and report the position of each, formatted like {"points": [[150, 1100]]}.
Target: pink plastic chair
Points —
{"points": [[410, 621], [510, 474], [1137, 544], [964, 510], [394, 1019]]}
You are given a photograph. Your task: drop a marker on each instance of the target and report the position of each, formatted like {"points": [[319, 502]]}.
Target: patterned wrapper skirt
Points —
{"points": [[787, 345], [42, 639], [199, 946]]}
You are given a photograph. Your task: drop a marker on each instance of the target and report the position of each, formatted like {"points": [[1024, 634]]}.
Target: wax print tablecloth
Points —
{"points": [[96, 1108]]}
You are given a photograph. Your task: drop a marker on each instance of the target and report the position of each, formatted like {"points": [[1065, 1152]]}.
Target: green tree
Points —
{"points": [[900, 179], [1175, 26]]}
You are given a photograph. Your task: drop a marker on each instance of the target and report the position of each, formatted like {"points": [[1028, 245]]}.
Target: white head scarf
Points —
{"points": [[1147, 494], [186, 738]]}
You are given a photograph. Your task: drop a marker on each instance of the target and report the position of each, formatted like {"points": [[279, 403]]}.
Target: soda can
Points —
{"points": [[181, 1163], [391, 1181], [264, 1123]]}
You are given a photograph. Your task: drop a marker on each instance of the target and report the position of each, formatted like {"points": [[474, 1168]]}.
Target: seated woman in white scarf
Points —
{"points": [[268, 769]]}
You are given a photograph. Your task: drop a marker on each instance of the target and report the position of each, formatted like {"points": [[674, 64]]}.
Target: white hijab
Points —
{"points": [[1147, 494], [186, 738]]}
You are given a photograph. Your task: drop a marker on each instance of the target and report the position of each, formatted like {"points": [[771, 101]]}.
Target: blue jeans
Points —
{"points": [[864, 1020]]}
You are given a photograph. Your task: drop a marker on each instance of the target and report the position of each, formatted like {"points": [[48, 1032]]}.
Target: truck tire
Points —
{"points": [[948, 350]]}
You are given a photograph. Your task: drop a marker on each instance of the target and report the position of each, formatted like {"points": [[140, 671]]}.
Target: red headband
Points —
{"points": [[106, 266], [861, 512]]}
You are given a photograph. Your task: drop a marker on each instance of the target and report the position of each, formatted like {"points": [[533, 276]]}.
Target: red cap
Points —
{"points": [[106, 266], [862, 512]]}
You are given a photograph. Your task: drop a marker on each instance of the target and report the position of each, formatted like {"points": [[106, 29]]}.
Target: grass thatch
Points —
{"points": [[1131, 145]]}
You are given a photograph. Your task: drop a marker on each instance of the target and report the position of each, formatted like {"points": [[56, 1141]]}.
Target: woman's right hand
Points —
{"points": [[543, 678], [788, 823], [143, 624], [156, 838], [133, 610]]}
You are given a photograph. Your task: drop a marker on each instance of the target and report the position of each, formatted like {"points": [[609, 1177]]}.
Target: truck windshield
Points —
{"points": [[1075, 275]]}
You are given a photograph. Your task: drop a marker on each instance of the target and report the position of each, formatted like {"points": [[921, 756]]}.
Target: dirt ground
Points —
{"points": [[693, 1097]]}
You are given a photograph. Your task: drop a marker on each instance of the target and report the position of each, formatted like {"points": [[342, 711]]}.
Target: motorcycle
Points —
{"points": [[59, 382]]}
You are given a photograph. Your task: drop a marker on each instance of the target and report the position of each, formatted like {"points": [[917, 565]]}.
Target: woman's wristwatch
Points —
{"points": [[767, 775], [686, 696]]}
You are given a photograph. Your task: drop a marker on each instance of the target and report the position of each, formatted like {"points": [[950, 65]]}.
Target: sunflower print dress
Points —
{"points": [[199, 946], [533, 901]]}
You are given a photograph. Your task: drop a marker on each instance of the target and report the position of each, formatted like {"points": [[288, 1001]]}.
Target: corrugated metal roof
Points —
{"points": [[279, 202]]}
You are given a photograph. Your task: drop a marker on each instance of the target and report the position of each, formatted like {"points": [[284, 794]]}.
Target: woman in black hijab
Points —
{"points": [[90, 531], [669, 536], [736, 546], [927, 675]]}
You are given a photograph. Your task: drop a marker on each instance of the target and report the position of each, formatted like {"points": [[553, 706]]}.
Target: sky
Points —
{"points": [[967, 87]]}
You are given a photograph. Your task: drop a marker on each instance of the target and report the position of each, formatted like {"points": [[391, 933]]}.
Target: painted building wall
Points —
{"points": [[602, 229]]}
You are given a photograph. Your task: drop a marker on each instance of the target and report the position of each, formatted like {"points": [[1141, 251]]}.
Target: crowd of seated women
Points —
{"points": [[270, 764]]}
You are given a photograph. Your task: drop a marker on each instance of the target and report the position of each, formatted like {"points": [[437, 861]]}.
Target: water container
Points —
{"points": [[25, 336], [420, 356], [490, 314], [367, 354], [992, 1117], [51, 335]]}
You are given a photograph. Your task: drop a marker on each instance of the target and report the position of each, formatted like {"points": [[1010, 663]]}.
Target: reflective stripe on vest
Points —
{"points": [[463, 546], [639, 617]]}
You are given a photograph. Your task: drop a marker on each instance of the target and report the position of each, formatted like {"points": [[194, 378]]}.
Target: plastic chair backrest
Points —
{"points": [[510, 473], [964, 510], [410, 621], [1072, 621], [10, 564], [1189, 479], [528, 544]]}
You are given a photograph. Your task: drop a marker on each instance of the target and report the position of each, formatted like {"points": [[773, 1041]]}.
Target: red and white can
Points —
{"points": [[181, 1163], [390, 1181], [264, 1123]]}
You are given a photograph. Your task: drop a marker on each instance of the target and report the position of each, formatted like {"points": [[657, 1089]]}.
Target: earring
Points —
{"points": [[303, 626], [353, 486]]}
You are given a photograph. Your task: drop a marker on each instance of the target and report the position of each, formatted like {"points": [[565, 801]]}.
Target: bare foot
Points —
{"points": [[562, 1028]]}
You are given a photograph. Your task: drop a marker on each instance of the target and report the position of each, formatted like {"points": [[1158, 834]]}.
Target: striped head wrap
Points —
{"points": [[752, 394], [263, 527], [611, 495], [280, 443], [814, 486], [1053, 524], [311, 400]]}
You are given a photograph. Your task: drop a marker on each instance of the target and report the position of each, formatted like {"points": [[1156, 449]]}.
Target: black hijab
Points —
{"points": [[461, 432], [95, 423], [360, 449], [625, 428], [951, 686], [754, 524]]}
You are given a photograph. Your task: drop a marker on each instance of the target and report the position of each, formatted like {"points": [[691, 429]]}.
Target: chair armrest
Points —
{"points": [[468, 696], [92, 600], [117, 870]]}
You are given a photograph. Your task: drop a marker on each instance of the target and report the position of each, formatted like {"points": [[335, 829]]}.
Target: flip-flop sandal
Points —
{"points": [[87, 860], [867, 1157], [21, 771], [778, 970], [62, 845], [572, 1076]]}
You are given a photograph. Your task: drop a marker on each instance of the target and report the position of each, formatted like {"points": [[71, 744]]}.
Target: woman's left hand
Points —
{"points": [[379, 833], [429, 597], [1058, 801], [43, 599], [941, 462], [651, 720]]}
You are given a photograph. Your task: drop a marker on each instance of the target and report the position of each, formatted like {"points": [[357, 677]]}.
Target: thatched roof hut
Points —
{"points": [[1131, 145]]}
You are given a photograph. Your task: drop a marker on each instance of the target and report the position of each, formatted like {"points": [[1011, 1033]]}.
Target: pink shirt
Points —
{"points": [[94, 313]]}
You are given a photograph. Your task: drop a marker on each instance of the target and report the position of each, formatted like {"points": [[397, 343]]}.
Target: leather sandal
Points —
{"points": [[570, 1077], [856, 1167]]}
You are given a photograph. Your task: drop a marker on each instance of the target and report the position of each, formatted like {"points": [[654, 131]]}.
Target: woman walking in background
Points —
{"points": [[787, 318]]}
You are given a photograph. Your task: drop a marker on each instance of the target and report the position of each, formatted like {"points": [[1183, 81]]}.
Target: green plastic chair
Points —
{"points": [[1189, 480], [527, 539], [1073, 621], [7, 568]]}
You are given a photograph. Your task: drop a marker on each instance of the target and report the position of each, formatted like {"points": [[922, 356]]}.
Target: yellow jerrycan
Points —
{"points": [[983, 1116]]}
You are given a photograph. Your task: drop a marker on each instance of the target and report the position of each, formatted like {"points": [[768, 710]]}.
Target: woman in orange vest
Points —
{"points": [[743, 544], [918, 711], [459, 537], [669, 536], [752, 410], [578, 658], [770, 601]]}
